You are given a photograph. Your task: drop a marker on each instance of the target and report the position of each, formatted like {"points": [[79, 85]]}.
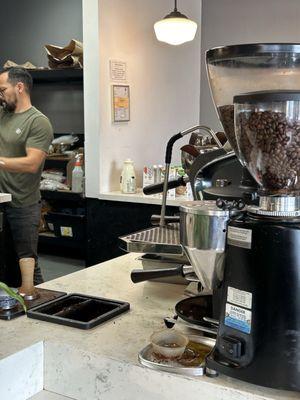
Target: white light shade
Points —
{"points": [[175, 30]]}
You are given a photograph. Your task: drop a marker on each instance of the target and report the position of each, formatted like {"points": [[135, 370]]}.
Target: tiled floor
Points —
{"points": [[54, 266]]}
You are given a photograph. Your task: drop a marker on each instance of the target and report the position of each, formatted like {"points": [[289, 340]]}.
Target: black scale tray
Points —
{"points": [[78, 310], [45, 296]]}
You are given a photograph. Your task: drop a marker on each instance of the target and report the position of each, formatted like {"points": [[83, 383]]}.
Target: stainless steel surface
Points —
{"points": [[287, 214], [214, 136], [162, 222], [279, 203], [157, 240], [166, 179], [167, 166], [30, 297], [192, 277], [203, 208], [183, 324], [146, 359], [211, 320], [222, 182], [203, 229], [208, 266], [208, 130], [203, 225], [199, 183], [7, 303]]}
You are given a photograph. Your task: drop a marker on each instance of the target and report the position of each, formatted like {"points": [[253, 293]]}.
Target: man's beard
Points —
{"points": [[9, 106]]}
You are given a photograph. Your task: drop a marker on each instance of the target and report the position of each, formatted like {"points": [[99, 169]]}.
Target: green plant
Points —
{"points": [[13, 294]]}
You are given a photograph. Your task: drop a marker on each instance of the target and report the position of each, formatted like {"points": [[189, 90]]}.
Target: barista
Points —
{"points": [[25, 137]]}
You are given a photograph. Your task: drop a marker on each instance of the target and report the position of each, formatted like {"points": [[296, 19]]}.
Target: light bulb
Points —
{"points": [[175, 31]]}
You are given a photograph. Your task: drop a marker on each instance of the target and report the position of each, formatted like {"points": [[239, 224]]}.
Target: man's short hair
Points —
{"points": [[19, 74]]}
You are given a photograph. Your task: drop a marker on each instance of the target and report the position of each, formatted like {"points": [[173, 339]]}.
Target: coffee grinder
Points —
{"points": [[258, 339]]}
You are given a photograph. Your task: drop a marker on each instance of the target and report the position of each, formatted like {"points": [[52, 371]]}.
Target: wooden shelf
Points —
{"points": [[57, 75]]}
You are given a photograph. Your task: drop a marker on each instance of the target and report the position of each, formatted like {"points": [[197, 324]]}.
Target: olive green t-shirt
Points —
{"points": [[19, 131]]}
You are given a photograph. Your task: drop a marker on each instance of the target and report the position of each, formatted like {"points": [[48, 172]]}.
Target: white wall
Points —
{"points": [[164, 87], [91, 84], [240, 21]]}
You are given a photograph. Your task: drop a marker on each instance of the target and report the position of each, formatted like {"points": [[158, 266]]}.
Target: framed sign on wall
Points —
{"points": [[120, 103]]}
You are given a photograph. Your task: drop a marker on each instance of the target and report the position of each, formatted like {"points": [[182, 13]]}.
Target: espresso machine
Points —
{"points": [[256, 91]]}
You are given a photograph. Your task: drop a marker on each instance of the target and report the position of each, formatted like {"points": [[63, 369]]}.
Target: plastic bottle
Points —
{"points": [[77, 177], [128, 179]]}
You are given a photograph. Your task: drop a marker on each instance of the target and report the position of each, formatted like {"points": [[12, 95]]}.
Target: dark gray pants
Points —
{"points": [[24, 227]]}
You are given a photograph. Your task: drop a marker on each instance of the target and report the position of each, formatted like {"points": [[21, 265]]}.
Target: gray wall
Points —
{"points": [[240, 21], [26, 26]]}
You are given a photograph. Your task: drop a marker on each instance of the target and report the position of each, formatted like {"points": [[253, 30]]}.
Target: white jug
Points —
{"points": [[128, 179]]}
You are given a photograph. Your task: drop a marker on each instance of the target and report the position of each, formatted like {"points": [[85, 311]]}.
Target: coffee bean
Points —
{"points": [[269, 144], [226, 114]]}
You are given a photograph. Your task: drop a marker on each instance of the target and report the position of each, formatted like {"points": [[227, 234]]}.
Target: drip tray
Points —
{"points": [[78, 310]]}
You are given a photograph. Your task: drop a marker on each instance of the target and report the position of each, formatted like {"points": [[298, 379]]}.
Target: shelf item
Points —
{"points": [[68, 226]]}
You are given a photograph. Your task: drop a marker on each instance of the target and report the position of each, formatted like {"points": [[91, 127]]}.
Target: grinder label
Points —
{"points": [[238, 318], [239, 297], [239, 237]]}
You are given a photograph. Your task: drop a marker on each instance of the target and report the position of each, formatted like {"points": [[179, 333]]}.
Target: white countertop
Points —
{"points": [[106, 356], [139, 197], [149, 303]]}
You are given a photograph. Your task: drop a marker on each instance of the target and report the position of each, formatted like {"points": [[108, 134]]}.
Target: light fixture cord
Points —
{"points": [[175, 8]]}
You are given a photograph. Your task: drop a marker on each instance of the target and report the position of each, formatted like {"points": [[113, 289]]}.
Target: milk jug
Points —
{"points": [[128, 179]]}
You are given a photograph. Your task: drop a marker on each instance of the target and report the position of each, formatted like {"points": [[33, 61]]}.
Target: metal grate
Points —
{"points": [[157, 240], [158, 235]]}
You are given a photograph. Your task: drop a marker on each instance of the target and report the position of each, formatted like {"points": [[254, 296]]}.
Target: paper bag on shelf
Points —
{"points": [[27, 65], [70, 56]]}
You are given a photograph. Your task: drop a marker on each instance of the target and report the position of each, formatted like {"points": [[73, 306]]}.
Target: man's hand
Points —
{"points": [[30, 163]]}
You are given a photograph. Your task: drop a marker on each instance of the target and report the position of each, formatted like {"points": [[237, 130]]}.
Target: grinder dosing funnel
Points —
{"points": [[202, 235], [237, 69]]}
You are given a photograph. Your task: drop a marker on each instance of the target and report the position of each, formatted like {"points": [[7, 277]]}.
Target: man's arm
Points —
{"points": [[30, 163]]}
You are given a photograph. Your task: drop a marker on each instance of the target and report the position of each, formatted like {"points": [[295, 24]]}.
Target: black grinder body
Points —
{"points": [[259, 334]]}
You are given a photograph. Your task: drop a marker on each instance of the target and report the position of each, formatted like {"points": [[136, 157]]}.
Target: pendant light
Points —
{"points": [[175, 28]]}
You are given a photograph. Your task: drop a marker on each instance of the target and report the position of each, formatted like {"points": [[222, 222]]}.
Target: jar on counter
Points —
{"points": [[128, 178]]}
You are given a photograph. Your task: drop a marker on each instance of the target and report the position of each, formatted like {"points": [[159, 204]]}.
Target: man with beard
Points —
{"points": [[25, 137]]}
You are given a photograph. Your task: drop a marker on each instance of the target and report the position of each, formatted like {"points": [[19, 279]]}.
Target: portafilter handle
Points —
{"points": [[159, 187], [140, 275]]}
